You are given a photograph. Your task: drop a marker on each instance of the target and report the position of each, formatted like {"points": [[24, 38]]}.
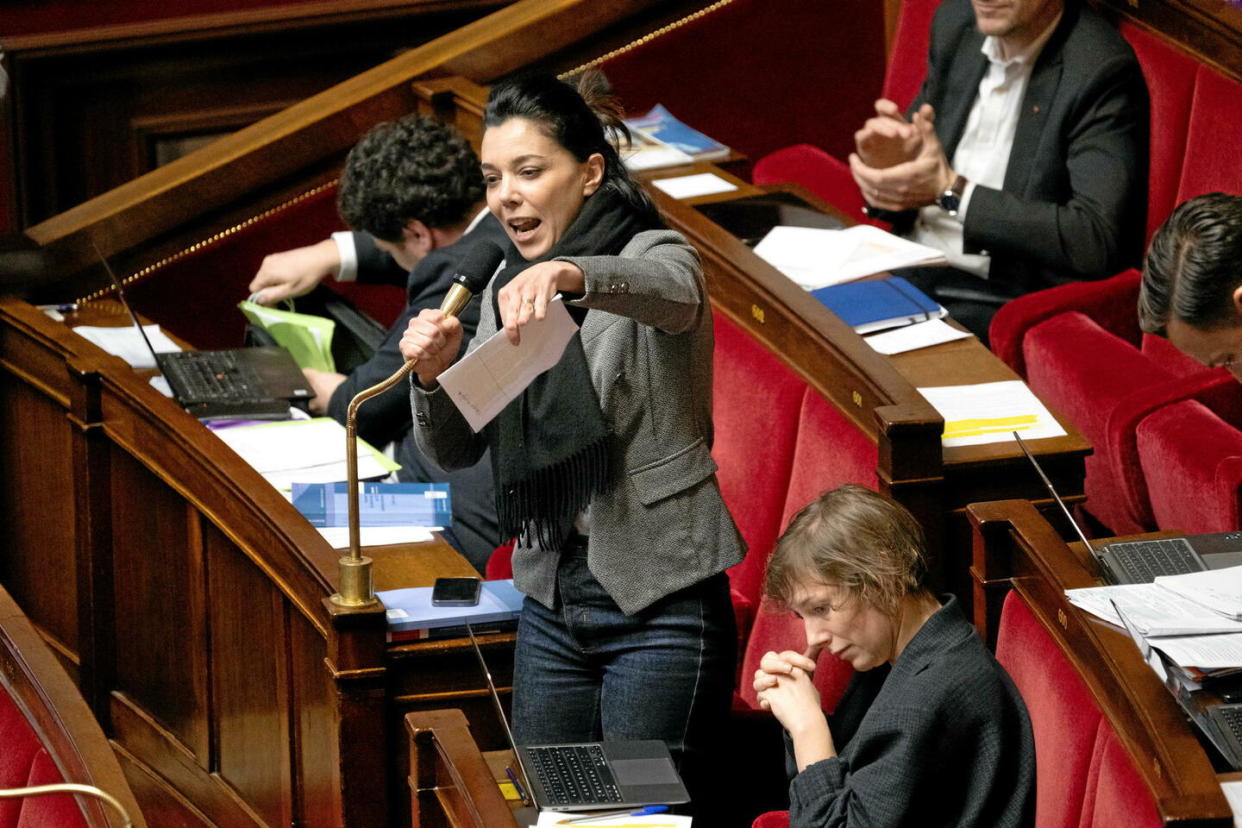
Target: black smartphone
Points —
{"points": [[456, 592]]}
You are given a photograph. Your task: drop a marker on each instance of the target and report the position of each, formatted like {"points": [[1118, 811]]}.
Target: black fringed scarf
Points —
{"points": [[550, 445]]}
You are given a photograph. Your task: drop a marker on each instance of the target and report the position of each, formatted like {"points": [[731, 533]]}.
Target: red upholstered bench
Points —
{"points": [[1192, 461]]}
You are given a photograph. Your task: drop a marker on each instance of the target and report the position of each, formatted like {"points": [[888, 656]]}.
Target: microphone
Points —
{"points": [[471, 277]]}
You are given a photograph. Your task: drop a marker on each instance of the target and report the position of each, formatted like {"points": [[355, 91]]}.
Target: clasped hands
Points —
{"points": [[783, 686], [434, 339], [900, 164]]}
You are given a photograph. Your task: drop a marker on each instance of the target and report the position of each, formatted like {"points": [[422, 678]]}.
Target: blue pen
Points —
{"points": [[647, 811], [517, 786]]}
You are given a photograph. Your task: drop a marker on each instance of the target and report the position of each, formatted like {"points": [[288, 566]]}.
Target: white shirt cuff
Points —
{"points": [[349, 256], [961, 208]]}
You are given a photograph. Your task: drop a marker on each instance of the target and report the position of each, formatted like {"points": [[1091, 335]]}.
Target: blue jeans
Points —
{"points": [[587, 671]]}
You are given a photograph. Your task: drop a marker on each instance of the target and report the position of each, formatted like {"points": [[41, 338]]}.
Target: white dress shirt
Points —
{"points": [[349, 253], [983, 152]]}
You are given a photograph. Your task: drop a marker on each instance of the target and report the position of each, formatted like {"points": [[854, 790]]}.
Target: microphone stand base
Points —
{"points": [[356, 586]]}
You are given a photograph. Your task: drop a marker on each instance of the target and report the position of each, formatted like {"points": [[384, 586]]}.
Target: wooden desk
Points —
{"points": [[190, 601], [1016, 548]]}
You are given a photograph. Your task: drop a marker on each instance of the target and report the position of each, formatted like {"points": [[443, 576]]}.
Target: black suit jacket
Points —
{"points": [[942, 738], [387, 418], [1074, 201]]}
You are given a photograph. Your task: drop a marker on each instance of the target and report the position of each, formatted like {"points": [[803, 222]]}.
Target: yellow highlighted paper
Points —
{"points": [[986, 425]]}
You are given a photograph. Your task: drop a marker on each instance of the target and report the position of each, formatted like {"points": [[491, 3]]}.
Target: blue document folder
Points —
{"points": [[878, 304], [379, 504]]}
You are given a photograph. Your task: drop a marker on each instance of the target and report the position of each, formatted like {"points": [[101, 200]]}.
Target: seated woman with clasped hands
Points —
{"points": [[930, 731]]}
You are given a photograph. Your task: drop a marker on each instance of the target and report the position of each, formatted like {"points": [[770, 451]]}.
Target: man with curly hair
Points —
{"points": [[412, 193]]}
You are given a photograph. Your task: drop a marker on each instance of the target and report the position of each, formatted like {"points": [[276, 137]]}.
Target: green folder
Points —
{"points": [[306, 337]]}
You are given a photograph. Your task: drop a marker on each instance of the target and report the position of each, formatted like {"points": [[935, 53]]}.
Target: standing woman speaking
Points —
{"points": [[603, 465]]}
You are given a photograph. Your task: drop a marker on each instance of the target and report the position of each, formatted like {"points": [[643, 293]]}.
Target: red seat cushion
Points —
{"points": [[1192, 461], [1064, 716], [907, 63], [817, 171], [772, 819], [830, 451], [19, 746]]}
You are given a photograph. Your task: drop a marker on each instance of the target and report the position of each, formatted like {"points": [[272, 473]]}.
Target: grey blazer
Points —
{"points": [[648, 342]]}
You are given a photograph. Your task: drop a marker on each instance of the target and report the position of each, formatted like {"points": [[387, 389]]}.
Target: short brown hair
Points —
{"points": [[855, 538]]}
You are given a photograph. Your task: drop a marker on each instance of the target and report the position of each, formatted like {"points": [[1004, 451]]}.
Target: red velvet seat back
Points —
{"points": [[756, 402], [768, 91], [1192, 461], [60, 810], [1064, 716], [1160, 351], [1211, 160], [1170, 75], [1083, 372], [907, 62], [1116, 794], [197, 295]]}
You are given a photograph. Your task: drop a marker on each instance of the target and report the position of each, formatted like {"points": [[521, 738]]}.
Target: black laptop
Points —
{"points": [[1139, 562], [249, 383], [589, 776]]}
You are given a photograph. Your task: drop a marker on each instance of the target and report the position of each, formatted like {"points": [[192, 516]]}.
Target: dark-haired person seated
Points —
{"points": [[931, 731], [412, 192], [1191, 291], [604, 472], [1024, 157]]}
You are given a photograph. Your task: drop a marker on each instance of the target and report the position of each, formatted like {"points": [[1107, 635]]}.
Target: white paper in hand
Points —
{"points": [[494, 373]]}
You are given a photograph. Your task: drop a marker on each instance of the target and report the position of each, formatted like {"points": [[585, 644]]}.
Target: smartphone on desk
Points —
{"points": [[456, 592]]}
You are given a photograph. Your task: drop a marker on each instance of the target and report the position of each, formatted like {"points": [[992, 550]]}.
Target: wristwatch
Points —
{"points": [[951, 199]]}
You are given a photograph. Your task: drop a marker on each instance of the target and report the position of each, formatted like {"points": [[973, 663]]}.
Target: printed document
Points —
{"points": [[815, 257], [689, 186], [1153, 610], [990, 412], [493, 374], [302, 451], [127, 342], [1220, 590]]}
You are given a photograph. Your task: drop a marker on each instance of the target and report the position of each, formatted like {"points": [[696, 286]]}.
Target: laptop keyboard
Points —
{"points": [[1144, 560], [1228, 721], [210, 376], [574, 774]]}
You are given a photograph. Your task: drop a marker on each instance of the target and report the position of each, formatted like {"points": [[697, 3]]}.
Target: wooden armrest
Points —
{"points": [[450, 783]]}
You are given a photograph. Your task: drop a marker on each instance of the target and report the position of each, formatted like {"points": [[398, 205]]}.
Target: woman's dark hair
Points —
{"points": [[579, 119], [414, 168], [1194, 265]]}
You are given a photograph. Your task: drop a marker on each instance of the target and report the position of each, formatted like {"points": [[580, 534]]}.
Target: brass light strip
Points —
{"points": [[647, 38], [207, 242]]}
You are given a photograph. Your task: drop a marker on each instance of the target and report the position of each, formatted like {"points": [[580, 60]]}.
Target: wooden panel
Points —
{"points": [[37, 500], [160, 600], [315, 722], [249, 682]]}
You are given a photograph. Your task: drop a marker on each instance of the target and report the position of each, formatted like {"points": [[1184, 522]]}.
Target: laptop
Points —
{"points": [[1139, 562], [588, 776], [250, 383]]}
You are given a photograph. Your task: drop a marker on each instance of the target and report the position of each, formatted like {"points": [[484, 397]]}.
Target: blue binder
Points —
{"points": [[878, 304]]}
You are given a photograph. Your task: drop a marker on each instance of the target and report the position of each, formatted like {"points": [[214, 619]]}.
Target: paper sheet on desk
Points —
{"points": [[127, 342], [990, 412], [302, 451], [1207, 652], [689, 186], [913, 337], [338, 536], [494, 373], [556, 819], [815, 257], [1233, 795]]}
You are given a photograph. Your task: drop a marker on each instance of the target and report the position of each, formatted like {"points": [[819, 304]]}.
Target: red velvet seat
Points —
{"points": [[25, 762], [1192, 461], [829, 177], [1083, 777], [1211, 160], [1084, 372]]}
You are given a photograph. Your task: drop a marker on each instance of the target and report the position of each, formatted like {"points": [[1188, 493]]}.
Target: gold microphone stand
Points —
{"points": [[356, 581], [73, 788]]}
